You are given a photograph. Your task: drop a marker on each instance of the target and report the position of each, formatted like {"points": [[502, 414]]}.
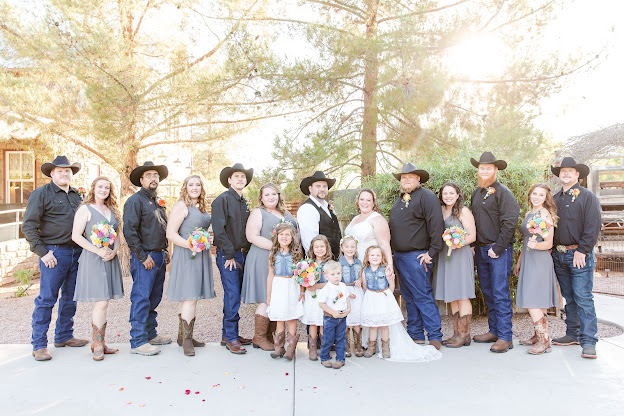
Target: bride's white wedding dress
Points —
{"points": [[402, 347]]}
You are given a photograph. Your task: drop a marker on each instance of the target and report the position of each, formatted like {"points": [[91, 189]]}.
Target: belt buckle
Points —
{"points": [[561, 248]]}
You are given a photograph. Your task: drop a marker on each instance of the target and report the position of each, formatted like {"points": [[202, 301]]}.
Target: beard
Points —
{"points": [[409, 190], [484, 183]]}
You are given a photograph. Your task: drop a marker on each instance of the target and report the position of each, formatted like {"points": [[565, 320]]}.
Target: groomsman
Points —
{"points": [[496, 212], [47, 225], [144, 227], [575, 237]]}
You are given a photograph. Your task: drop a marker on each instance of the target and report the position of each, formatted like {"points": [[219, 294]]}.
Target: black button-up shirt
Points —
{"points": [[579, 221], [144, 224], [49, 217], [229, 219], [419, 225], [496, 216]]}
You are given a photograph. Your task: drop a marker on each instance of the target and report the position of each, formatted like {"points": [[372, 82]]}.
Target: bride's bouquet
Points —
{"points": [[306, 273]]}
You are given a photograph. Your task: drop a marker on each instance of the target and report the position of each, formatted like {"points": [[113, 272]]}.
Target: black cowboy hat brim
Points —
{"points": [[137, 172], [582, 169], [226, 173], [46, 168], [500, 164], [306, 182], [424, 175]]}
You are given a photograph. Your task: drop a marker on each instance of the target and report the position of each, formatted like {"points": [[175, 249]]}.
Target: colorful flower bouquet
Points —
{"points": [[198, 239], [454, 237], [539, 226], [306, 273], [103, 234]]}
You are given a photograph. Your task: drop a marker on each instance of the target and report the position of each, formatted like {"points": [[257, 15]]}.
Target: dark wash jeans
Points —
{"points": [[61, 277], [232, 281], [576, 287], [147, 291], [494, 281], [334, 331]]}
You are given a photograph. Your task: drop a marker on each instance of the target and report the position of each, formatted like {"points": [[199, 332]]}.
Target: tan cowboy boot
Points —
{"points": [[97, 342], [371, 350], [385, 348], [357, 340], [543, 340], [291, 346], [195, 342], [463, 333], [260, 339], [348, 338], [312, 353], [279, 346], [271, 330], [187, 337], [452, 339], [531, 341]]}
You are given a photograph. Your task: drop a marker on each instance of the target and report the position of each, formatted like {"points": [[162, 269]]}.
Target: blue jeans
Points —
{"points": [[61, 277], [576, 287], [334, 331], [232, 281], [147, 291], [493, 277], [415, 287]]}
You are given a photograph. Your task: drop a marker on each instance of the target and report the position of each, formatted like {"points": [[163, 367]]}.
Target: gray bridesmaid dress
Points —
{"points": [[191, 279], [537, 282], [257, 261], [454, 279], [97, 279]]}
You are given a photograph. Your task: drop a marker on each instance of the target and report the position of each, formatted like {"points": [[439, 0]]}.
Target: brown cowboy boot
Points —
{"points": [[543, 340], [187, 337], [97, 342], [312, 353], [531, 341], [291, 347], [452, 339], [357, 340], [385, 348], [195, 342], [279, 346], [106, 349], [371, 350], [271, 330], [260, 339], [348, 338], [485, 338]]}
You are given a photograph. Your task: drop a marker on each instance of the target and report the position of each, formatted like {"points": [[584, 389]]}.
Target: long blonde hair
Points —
{"points": [[549, 202], [202, 201], [110, 201], [281, 206], [294, 247]]}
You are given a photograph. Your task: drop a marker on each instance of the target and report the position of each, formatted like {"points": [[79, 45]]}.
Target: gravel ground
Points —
{"points": [[612, 285], [15, 325]]}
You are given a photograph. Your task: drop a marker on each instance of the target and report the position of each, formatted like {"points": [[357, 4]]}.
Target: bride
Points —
{"points": [[370, 228]]}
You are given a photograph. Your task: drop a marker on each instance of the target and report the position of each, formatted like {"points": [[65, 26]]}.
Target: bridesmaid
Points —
{"points": [[99, 274], [189, 279], [271, 210], [454, 276], [537, 283]]}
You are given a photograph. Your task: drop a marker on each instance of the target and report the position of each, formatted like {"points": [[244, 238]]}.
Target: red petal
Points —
{"points": [[187, 392], [147, 378]]}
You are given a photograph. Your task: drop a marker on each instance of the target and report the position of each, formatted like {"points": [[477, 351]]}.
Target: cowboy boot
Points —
{"points": [[532, 340], [271, 330], [187, 337], [97, 342], [292, 346], [543, 340], [463, 333], [357, 340], [455, 320], [348, 338], [106, 349], [371, 350], [385, 348], [279, 346], [260, 339], [466, 329], [312, 353], [195, 342]]}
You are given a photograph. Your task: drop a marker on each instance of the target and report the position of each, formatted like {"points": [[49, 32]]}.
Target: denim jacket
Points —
{"points": [[376, 280], [322, 279], [350, 272], [283, 264]]}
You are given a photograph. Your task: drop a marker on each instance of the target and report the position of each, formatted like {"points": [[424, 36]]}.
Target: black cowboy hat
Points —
{"points": [[569, 162], [317, 177], [227, 172], [409, 168], [59, 162], [138, 172], [489, 158]]}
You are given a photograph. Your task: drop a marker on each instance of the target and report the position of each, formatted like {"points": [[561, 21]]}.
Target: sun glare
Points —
{"points": [[477, 57]]}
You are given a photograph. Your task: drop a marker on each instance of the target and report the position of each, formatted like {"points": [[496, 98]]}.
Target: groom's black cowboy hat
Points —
{"points": [[227, 173], [409, 168], [138, 172], [489, 158], [317, 177], [59, 162], [569, 162]]}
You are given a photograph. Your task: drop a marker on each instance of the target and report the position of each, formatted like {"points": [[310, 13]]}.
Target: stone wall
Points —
{"points": [[15, 255]]}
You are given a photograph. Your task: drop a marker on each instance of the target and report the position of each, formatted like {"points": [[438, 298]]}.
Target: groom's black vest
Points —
{"points": [[329, 227]]}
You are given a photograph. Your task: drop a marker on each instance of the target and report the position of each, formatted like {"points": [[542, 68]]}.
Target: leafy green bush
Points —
{"points": [[23, 277]]}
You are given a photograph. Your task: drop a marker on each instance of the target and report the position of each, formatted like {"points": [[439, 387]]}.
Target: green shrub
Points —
{"points": [[23, 277]]}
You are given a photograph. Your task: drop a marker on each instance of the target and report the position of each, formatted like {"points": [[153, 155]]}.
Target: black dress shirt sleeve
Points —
{"points": [[435, 223], [591, 225], [510, 210], [219, 219], [131, 223], [32, 223]]}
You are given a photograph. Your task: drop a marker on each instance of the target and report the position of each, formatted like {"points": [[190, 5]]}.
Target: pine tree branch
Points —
{"points": [[356, 11], [136, 30], [438, 9]]}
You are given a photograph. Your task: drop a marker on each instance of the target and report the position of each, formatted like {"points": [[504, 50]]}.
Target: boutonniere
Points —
{"points": [[574, 192], [247, 205], [489, 192], [82, 192], [330, 206], [339, 296], [406, 199], [161, 202]]}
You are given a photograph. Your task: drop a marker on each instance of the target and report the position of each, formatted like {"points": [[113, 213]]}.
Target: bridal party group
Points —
{"points": [[303, 267]]}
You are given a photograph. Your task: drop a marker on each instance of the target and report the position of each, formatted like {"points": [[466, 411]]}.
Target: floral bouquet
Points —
{"points": [[198, 239], [539, 226], [306, 273], [454, 237], [103, 234]]}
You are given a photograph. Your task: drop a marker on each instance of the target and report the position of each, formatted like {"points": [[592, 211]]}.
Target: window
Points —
{"points": [[20, 176]]}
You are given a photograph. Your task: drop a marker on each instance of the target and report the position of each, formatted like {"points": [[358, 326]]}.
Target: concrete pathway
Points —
{"points": [[468, 380]]}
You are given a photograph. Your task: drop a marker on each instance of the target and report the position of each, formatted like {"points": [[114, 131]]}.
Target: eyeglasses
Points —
{"points": [[151, 175]]}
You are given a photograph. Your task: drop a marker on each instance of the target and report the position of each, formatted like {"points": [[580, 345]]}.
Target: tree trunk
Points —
{"points": [[371, 76]]}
